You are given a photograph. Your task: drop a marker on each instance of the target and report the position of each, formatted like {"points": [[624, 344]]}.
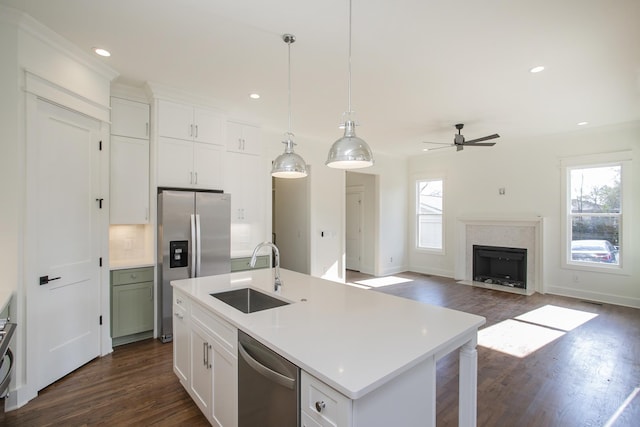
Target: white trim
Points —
{"points": [[624, 159], [65, 98], [54, 40]]}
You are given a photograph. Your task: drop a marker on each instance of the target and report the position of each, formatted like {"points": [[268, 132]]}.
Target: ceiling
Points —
{"points": [[418, 66]]}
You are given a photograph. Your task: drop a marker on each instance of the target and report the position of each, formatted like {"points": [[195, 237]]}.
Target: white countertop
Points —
{"points": [[130, 263], [352, 339]]}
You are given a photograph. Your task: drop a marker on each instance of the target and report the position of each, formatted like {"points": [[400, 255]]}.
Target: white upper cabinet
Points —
{"points": [[190, 164], [129, 118], [129, 180], [243, 138], [183, 121], [129, 162]]}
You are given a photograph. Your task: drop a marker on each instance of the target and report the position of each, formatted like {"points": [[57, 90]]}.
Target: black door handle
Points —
{"points": [[45, 279], [99, 203]]}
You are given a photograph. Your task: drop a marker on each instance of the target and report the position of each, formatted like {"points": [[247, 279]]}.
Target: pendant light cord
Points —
{"points": [[289, 88], [349, 56]]}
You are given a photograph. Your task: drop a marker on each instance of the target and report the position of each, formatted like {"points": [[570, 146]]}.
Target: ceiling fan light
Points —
{"points": [[289, 164], [349, 152]]}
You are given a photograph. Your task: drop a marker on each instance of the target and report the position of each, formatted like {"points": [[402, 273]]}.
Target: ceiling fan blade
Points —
{"points": [[480, 144], [437, 143], [440, 148], [494, 136]]}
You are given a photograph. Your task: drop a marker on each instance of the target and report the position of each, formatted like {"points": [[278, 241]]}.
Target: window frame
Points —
{"points": [[416, 221], [622, 159]]}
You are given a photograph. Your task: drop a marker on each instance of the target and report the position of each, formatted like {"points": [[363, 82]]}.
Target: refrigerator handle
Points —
{"points": [[193, 246], [198, 246]]}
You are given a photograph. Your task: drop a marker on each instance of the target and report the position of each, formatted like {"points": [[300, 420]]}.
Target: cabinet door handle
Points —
{"points": [[178, 315], [239, 143], [190, 177], [320, 405], [146, 129], [204, 354], [196, 135], [196, 174], [191, 130]]}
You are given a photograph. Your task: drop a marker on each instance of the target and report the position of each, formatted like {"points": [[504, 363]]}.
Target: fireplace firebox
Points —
{"points": [[500, 266]]}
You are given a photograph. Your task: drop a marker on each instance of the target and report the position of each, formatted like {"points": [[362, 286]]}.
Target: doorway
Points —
{"points": [[290, 222], [361, 221]]}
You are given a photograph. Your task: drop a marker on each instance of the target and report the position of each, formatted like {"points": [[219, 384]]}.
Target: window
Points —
{"points": [[429, 197], [594, 215]]}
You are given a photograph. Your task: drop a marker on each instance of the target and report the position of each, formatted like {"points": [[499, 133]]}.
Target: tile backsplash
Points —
{"points": [[131, 244]]}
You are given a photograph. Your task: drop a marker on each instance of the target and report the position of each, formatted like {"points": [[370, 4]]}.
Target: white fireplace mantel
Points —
{"points": [[516, 231]]}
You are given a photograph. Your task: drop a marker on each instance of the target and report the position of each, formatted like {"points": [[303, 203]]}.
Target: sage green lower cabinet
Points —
{"points": [[242, 264], [131, 305]]}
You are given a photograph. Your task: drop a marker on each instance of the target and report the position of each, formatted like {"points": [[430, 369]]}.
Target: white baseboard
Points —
{"points": [[433, 272], [593, 296]]}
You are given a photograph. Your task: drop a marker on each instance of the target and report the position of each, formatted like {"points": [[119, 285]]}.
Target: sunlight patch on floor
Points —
{"points": [[518, 339], [565, 319], [533, 330], [378, 282]]}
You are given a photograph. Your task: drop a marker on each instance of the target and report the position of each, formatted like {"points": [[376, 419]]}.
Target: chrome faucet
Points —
{"points": [[277, 283]]}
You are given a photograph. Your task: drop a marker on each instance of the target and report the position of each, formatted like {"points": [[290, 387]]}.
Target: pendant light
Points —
{"points": [[289, 164], [349, 152]]}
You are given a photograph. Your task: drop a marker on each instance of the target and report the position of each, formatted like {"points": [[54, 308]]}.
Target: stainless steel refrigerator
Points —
{"points": [[193, 240]]}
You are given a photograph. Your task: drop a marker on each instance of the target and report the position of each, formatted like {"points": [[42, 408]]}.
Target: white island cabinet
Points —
{"points": [[367, 359], [205, 361]]}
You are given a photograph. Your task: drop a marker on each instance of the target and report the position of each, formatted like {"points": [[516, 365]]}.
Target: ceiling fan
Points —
{"points": [[459, 142]]}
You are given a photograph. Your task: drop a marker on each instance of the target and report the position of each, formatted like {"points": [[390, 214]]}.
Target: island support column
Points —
{"points": [[468, 393]]}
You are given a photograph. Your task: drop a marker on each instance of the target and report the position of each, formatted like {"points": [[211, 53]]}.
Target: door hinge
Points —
{"points": [[100, 319], [100, 262], [100, 146]]}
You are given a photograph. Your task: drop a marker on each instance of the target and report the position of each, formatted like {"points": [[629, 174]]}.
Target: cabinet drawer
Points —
{"points": [[242, 264], [222, 331], [180, 300], [307, 421], [335, 408], [131, 275]]}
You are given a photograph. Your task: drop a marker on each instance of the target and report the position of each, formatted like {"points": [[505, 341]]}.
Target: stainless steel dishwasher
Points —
{"points": [[268, 386]]}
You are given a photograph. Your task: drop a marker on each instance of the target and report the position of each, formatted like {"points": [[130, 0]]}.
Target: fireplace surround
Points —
{"points": [[513, 231]]}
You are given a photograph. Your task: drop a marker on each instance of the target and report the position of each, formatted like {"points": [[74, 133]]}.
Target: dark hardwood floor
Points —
{"points": [[581, 378]]}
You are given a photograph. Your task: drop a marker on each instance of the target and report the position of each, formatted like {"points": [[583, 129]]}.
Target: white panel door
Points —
{"points": [[66, 308], [353, 230]]}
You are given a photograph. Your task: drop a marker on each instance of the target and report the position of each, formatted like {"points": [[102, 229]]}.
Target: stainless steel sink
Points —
{"points": [[248, 300]]}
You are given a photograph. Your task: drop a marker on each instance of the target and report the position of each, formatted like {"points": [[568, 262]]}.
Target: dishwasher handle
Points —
{"points": [[270, 374]]}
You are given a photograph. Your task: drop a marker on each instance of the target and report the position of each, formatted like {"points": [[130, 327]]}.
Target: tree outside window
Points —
{"points": [[595, 214], [429, 197]]}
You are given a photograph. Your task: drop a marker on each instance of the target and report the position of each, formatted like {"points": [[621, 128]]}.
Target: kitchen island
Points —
{"points": [[373, 355]]}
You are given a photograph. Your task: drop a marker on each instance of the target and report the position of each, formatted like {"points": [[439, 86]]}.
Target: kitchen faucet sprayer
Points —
{"points": [[277, 282]]}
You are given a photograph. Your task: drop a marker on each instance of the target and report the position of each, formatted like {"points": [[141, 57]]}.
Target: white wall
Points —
{"points": [[529, 170]]}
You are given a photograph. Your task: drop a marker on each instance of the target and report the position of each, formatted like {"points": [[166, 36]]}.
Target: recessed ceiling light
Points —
{"points": [[102, 52], [583, 123], [536, 69], [254, 96]]}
